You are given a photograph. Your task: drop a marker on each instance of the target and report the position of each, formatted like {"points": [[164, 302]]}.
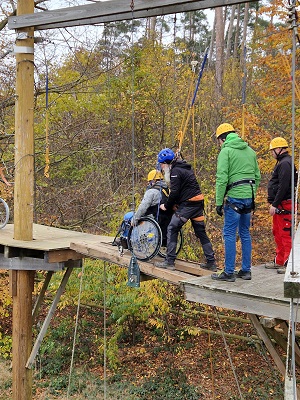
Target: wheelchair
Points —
{"points": [[145, 240]]}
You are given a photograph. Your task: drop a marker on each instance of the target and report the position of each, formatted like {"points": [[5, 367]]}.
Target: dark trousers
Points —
{"points": [[194, 212]]}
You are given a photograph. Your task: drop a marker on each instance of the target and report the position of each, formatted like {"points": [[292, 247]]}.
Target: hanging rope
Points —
{"points": [[244, 93], [104, 333], [229, 356], [183, 131], [47, 158], [75, 331], [210, 355], [132, 106]]}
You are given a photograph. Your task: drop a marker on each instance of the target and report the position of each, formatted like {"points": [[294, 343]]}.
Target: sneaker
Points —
{"points": [[281, 269], [272, 265], [222, 276], [165, 264], [246, 275], [209, 266]]}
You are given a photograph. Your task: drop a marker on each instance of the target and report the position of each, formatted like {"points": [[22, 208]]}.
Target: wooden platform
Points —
{"points": [[52, 247], [263, 295], [49, 249]]}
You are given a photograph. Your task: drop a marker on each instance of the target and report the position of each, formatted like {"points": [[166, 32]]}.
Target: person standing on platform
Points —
{"points": [[280, 191], [238, 177], [188, 201]]}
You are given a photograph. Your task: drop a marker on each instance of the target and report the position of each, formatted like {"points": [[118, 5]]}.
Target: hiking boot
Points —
{"points": [[281, 269], [222, 276], [209, 266], [165, 264], [246, 275]]}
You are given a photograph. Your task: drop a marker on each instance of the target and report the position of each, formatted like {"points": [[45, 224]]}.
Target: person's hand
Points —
{"points": [[134, 221], [162, 207], [219, 210], [272, 210]]}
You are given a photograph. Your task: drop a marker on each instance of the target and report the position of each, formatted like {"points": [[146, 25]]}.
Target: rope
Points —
{"points": [[229, 356], [104, 333], [244, 93], [183, 130], [75, 330], [210, 355], [132, 105], [47, 159]]}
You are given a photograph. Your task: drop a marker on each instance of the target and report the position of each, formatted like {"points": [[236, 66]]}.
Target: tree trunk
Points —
{"points": [[220, 26], [230, 31], [237, 30], [245, 25], [212, 40]]}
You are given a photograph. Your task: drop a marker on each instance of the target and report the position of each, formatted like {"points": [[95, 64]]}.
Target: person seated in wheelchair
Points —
{"points": [[157, 192]]}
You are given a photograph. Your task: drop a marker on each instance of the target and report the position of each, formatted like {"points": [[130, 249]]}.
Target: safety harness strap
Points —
{"points": [[240, 182], [245, 210], [251, 182]]}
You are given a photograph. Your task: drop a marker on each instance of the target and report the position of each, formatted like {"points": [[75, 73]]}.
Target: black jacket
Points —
{"points": [[183, 184], [280, 184]]}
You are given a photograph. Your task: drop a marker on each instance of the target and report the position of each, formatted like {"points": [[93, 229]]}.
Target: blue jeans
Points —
{"points": [[237, 222]]}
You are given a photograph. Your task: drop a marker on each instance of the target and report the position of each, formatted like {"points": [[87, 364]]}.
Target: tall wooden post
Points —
{"points": [[22, 284]]}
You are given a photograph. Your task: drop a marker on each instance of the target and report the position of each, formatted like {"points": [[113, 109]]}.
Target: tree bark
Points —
{"points": [[230, 31], [220, 26]]}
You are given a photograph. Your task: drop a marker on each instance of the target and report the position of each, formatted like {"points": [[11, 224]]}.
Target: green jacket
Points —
{"points": [[236, 161]]}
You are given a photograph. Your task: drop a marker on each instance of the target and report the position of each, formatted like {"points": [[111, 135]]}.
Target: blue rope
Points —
{"points": [[200, 76]]}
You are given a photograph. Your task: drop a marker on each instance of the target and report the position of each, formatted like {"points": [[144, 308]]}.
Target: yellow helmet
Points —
{"points": [[278, 142], [154, 174], [224, 128]]}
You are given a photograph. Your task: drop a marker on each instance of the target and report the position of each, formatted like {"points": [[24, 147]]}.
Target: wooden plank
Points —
{"points": [[55, 256], [30, 264], [262, 334], [49, 316], [47, 238], [41, 295], [110, 11], [111, 254], [236, 301]]}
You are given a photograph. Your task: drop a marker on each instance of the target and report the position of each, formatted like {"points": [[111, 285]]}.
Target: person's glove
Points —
{"points": [[219, 210]]}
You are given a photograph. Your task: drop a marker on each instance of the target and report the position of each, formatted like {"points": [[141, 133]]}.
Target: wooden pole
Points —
{"points": [[24, 139], [22, 286], [22, 336]]}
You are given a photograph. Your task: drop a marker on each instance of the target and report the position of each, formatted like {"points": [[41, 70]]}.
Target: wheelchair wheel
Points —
{"points": [[144, 239], [163, 249], [4, 213]]}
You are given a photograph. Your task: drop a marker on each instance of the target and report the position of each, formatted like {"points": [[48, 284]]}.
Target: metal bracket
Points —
{"points": [[23, 49]]}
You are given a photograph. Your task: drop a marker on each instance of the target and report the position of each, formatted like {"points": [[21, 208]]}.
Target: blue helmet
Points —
{"points": [[166, 156]]}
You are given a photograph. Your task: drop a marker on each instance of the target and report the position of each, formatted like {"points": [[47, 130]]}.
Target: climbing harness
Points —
{"points": [[244, 210]]}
